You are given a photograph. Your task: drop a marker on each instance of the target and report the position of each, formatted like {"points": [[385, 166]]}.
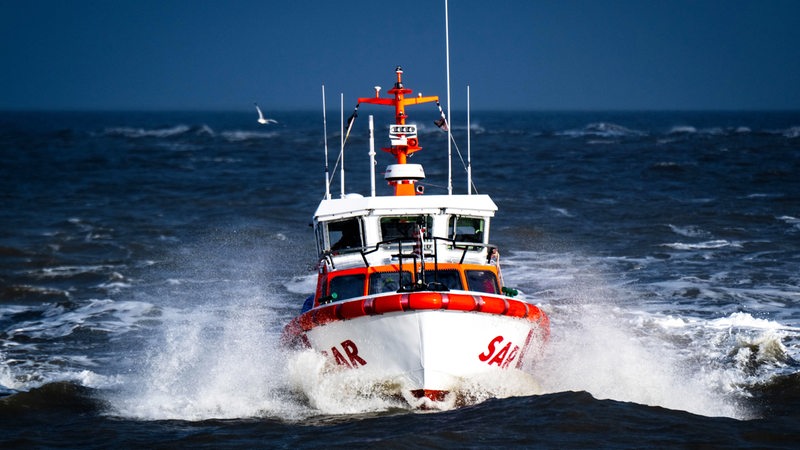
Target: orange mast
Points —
{"points": [[410, 144]]}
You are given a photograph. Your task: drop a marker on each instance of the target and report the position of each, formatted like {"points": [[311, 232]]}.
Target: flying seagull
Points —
{"points": [[261, 118]]}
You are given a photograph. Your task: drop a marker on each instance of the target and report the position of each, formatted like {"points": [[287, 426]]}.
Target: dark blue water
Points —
{"points": [[148, 262]]}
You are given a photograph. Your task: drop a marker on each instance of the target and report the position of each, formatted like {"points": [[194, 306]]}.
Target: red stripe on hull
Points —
{"points": [[415, 301]]}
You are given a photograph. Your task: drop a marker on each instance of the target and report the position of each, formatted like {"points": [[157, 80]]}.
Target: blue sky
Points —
{"points": [[515, 54]]}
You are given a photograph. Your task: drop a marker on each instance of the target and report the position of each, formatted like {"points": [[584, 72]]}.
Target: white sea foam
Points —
{"points": [[689, 231], [302, 285], [241, 135], [793, 221], [15, 376], [85, 378], [561, 211], [745, 320], [330, 389], [56, 321], [205, 129], [683, 129], [68, 271], [115, 286], [761, 195], [713, 244], [600, 350], [671, 165], [791, 133], [144, 132], [602, 343], [601, 142], [216, 361], [7, 379], [602, 129]]}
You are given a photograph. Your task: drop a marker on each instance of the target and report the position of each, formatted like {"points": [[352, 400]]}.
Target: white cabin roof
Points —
{"points": [[358, 205]]}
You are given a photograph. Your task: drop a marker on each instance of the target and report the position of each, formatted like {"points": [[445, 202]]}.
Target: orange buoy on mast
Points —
{"points": [[403, 137]]}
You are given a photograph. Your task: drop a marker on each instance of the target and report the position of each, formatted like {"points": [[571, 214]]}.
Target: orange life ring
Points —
{"points": [[412, 142]]}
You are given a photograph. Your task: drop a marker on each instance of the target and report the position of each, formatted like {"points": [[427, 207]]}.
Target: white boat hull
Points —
{"points": [[429, 352]]}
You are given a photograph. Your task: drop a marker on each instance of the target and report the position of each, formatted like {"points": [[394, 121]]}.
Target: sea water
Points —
{"points": [[149, 261]]}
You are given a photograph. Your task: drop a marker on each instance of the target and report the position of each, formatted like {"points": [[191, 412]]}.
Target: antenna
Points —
{"points": [[341, 138], [449, 132], [469, 157], [325, 128], [371, 156]]}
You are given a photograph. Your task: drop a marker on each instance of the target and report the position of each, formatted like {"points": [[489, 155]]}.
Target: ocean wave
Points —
{"points": [[188, 374], [602, 129], [758, 352], [116, 283], [745, 320], [60, 320], [739, 320], [69, 396], [791, 133], [24, 292], [144, 132], [562, 212], [241, 135], [205, 129], [71, 271], [760, 195], [793, 221], [301, 284], [707, 245], [689, 231], [601, 141], [716, 131], [740, 351], [682, 129]]}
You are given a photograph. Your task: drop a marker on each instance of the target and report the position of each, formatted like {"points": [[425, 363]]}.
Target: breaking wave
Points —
{"points": [[713, 244], [239, 135], [602, 129], [793, 132], [689, 231], [144, 132]]}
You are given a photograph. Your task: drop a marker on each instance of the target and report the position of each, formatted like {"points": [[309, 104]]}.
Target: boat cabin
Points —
{"points": [[372, 245]]}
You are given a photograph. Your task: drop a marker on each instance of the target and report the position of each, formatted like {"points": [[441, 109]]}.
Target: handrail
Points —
{"points": [[418, 281], [459, 245]]}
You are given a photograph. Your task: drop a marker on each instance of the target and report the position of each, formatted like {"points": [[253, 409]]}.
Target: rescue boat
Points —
{"points": [[409, 287]]}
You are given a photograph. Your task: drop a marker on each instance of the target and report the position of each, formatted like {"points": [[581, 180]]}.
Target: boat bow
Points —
{"points": [[409, 288]]}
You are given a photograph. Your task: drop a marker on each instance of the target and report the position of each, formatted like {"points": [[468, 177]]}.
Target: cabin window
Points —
{"points": [[345, 234], [449, 278], [320, 233], [403, 227], [482, 281], [380, 282], [347, 286], [466, 229]]}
